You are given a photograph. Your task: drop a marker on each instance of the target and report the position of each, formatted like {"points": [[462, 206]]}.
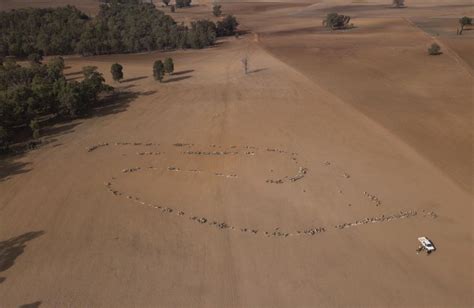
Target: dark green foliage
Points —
{"points": [[227, 26], [464, 21], [158, 70], [28, 93], [35, 58], [183, 3], [117, 72], [201, 34], [335, 21], [88, 70], [169, 66], [216, 10], [434, 50], [3, 138], [120, 27], [42, 31]]}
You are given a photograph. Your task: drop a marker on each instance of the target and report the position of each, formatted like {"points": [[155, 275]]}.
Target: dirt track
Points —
{"points": [[373, 145]]}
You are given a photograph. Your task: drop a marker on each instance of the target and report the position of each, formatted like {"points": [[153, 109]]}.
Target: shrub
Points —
{"points": [[216, 10], [183, 3], [434, 50], [117, 72], [335, 21], [398, 3], [169, 66], [158, 70]]}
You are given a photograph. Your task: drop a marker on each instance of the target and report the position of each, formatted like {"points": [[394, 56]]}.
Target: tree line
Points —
{"points": [[122, 26], [29, 93]]}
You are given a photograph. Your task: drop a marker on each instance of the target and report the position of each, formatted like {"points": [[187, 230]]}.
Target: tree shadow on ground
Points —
{"points": [[177, 79], [10, 167], [55, 127], [14, 247], [73, 73], [118, 102], [257, 70], [32, 305], [182, 72], [134, 79]]}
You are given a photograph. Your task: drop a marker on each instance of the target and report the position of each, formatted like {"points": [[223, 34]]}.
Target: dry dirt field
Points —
{"points": [[304, 183]]}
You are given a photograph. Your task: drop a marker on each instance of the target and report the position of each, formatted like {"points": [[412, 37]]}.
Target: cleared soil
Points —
{"points": [[303, 183]]}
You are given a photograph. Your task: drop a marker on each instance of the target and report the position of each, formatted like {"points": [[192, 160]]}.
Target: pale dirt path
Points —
{"points": [[99, 250]]}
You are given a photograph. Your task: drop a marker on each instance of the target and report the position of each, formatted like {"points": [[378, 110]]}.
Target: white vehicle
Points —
{"points": [[426, 245]]}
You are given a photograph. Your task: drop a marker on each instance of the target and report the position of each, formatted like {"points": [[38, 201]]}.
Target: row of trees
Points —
{"points": [[29, 93], [122, 26], [160, 68]]}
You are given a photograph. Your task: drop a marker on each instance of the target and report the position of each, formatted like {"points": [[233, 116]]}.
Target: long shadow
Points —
{"points": [[73, 73], [182, 72], [32, 305], [14, 247], [257, 70], [115, 103], [10, 167], [134, 79], [177, 79]]}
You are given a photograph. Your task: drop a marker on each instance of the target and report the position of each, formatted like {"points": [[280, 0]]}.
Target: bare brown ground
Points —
{"points": [[366, 111]]}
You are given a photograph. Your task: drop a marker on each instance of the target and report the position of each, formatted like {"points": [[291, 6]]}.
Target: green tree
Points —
{"points": [[464, 21], [35, 128], [169, 66], [227, 26], [158, 70], [117, 72], [434, 50], [216, 10]]}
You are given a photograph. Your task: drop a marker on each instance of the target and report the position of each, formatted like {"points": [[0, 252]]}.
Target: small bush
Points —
{"points": [[183, 3], [434, 50], [399, 3], [335, 21]]}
